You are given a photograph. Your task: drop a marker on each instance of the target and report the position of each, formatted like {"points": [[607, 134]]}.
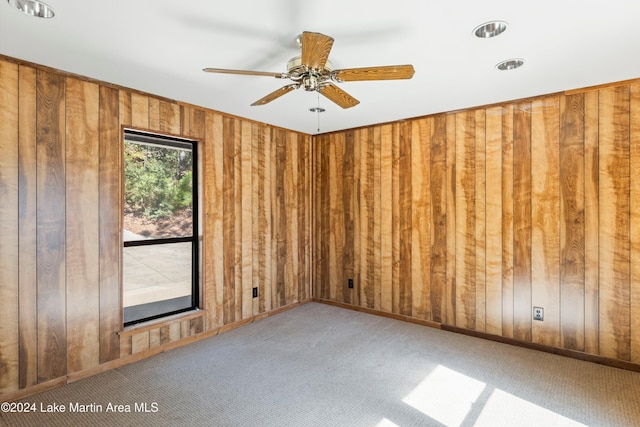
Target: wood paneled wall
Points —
{"points": [[471, 218], [61, 214], [466, 219]]}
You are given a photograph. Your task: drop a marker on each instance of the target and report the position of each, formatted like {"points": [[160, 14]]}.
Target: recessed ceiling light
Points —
{"points": [[317, 109], [33, 7], [510, 64], [490, 29]]}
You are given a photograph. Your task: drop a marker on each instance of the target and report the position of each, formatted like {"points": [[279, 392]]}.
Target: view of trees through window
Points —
{"points": [[159, 190]]}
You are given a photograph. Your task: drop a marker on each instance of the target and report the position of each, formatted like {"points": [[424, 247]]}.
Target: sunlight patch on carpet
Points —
{"points": [[506, 409], [445, 395]]}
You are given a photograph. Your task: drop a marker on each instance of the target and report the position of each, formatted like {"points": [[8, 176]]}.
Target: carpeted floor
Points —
{"points": [[318, 365]]}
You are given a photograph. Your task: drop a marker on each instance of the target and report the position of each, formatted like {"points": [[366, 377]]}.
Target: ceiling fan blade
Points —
{"points": [[244, 72], [340, 97], [275, 94], [315, 49], [389, 72]]}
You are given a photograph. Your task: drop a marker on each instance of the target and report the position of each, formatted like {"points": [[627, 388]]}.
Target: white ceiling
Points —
{"points": [[161, 47]]}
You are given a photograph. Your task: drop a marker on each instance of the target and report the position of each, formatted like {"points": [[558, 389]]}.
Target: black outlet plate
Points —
{"points": [[350, 283], [255, 292]]}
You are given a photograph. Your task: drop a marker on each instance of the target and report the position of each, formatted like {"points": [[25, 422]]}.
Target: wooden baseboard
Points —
{"points": [[114, 364], [621, 364], [404, 318], [615, 363], [30, 391]]}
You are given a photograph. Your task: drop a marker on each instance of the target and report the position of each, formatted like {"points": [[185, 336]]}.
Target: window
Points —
{"points": [[160, 234]]}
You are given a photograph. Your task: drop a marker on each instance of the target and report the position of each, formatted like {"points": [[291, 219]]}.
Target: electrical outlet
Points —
{"points": [[255, 292], [350, 283], [538, 313]]}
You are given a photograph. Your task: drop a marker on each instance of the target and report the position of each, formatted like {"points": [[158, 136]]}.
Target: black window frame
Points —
{"points": [[176, 142]]}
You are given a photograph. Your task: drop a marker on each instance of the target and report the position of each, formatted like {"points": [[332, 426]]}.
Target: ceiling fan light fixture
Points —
{"points": [[33, 8], [490, 29], [510, 64]]}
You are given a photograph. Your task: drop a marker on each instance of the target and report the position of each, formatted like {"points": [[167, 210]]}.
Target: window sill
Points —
{"points": [[153, 324]]}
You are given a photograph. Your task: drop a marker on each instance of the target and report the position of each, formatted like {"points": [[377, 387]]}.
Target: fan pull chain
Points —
{"points": [[318, 110]]}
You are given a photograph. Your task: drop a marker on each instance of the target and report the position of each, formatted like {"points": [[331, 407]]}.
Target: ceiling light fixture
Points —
{"points": [[33, 8], [490, 29], [510, 64], [317, 110]]}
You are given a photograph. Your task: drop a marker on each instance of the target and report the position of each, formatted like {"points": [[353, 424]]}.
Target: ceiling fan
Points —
{"points": [[313, 71]]}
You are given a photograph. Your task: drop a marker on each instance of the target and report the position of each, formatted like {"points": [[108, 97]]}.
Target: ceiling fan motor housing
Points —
{"points": [[310, 83]]}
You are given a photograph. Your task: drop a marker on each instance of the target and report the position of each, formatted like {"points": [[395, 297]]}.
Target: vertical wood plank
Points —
{"points": [[507, 221], [522, 221], [51, 242], [572, 264], [377, 217], [494, 199], [27, 170], [634, 225], [139, 342], [164, 335], [319, 213], [125, 107], [591, 221], [280, 216], [110, 202], [451, 279], [267, 221], [238, 218], [170, 118], [125, 346], [139, 111], [214, 238], [545, 207], [365, 213], [197, 120], [185, 329], [292, 270], [480, 225], [395, 218], [317, 232], [420, 219], [438, 177], [185, 120], [174, 331], [154, 338], [405, 217], [247, 221], [205, 150], [465, 233], [9, 225], [82, 225], [258, 215], [386, 220], [336, 188], [196, 325], [323, 276], [229, 240], [355, 218], [614, 223], [154, 114], [192, 122], [303, 197]]}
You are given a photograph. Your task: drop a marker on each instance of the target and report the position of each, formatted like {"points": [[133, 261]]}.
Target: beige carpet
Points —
{"points": [[318, 365]]}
